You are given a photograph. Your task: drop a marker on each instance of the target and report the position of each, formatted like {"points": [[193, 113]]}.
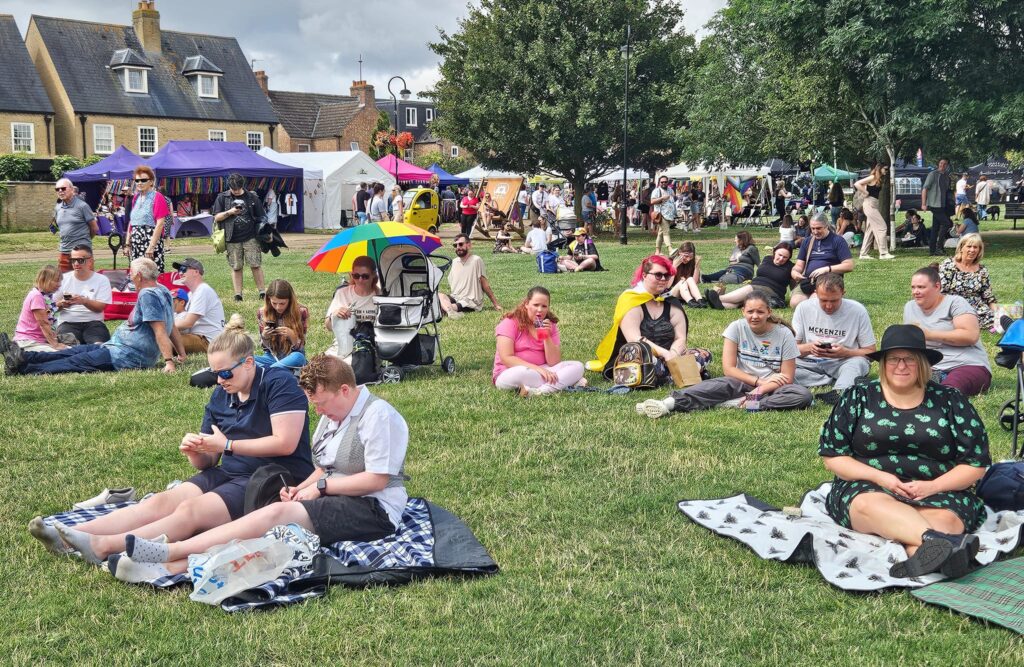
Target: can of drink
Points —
{"points": [[753, 402]]}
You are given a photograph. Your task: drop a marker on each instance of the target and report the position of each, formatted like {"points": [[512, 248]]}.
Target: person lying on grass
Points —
{"points": [[528, 355], [255, 416], [357, 491], [759, 359], [906, 453], [773, 276]]}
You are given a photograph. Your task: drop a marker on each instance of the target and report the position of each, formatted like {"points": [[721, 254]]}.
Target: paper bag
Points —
{"points": [[685, 370]]}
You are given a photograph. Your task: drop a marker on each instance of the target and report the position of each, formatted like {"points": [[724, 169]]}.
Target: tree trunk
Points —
{"points": [[577, 196]]}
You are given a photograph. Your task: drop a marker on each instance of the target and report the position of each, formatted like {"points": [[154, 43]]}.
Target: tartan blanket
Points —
{"points": [[845, 558], [994, 593], [411, 546]]}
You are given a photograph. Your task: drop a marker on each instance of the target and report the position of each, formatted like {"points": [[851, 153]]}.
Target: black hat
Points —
{"points": [[905, 337], [188, 263], [264, 486]]}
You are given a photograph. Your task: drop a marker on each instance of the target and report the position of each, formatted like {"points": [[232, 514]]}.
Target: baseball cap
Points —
{"points": [[181, 294], [188, 263]]}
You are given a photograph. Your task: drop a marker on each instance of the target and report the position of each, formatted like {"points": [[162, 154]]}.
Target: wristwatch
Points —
{"points": [[321, 486]]}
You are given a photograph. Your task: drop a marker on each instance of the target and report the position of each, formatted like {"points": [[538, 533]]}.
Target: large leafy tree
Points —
{"points": [[531, 84]]}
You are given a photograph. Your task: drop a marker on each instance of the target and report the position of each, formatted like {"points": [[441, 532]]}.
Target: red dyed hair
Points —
{"points": [[648, 264]]}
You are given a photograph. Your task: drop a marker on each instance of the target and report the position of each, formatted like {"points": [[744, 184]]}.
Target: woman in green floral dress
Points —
{"points": [[906, 453]]}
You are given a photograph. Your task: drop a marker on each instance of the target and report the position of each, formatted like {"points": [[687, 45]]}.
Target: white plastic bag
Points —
{"points": [[236, 566]]}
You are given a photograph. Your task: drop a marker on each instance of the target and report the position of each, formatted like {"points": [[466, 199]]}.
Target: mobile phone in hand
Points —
{"points": [[825, 345]]}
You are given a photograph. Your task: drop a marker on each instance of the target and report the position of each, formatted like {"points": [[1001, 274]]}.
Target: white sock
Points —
{"points": [[670, 403], [49, 536], [127, 570]]}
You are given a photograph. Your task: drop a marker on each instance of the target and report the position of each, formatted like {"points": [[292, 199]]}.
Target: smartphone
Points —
{"points": [[826, 345]]}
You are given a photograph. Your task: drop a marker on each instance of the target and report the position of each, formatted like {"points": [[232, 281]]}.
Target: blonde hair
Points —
{"points": [[969, 240], [46, 275], [233, 340], [924, 369]]}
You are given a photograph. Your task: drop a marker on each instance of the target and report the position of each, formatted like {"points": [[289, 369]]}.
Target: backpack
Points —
{"points": [[547, 261], [365, 363], [636, 367], [1002, 487]]}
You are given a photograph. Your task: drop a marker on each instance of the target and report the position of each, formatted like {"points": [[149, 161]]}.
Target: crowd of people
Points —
{"points": [[346, 481]]}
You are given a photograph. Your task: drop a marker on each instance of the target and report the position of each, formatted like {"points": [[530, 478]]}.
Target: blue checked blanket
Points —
{"points": [[412, 546]]}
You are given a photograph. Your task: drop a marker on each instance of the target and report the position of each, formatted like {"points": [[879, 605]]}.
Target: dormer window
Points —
{"points": [[136, 80], [203, 75], [132, 69]]}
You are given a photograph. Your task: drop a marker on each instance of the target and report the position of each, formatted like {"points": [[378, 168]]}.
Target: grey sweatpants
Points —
{"points": [[709, 393], [820, 372]]}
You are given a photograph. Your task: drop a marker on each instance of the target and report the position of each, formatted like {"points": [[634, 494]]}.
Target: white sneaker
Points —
{"points": [[107, 497], [866, 257], [887, 256], [652, 408]]}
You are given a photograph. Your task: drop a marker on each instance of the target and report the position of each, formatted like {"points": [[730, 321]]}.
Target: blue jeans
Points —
{"points": [[363, 219], [290, 360], [77, 359]]}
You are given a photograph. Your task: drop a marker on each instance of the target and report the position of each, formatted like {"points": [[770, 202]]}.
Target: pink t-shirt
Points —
{"points": [[524, 346], [161, 209], [28, 328]]}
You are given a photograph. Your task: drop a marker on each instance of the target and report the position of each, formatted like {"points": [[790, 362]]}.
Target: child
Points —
{"points": [[503, 239], [786, 232]]}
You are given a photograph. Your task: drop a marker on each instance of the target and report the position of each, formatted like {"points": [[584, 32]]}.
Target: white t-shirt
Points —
{"points": [[538, 197], [96, 287], [378, 209], [961, 186], [537, 239], [464, 280], [385, 438], [363, 308], [983, 193], [941, 319], [203, 301], [761, 354], [787, 234], [849, 326], [552, 202], [522, 198]]}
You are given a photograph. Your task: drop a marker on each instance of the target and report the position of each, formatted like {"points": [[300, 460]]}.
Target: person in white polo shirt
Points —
{"points": [[203, 319], [85, 295]]}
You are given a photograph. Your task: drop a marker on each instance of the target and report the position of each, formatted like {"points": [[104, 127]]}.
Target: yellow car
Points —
{"points": [[422, 209]]}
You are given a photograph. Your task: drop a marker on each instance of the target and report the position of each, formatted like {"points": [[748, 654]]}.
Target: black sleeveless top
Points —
{"points": [[874, 191], [660, 331]]}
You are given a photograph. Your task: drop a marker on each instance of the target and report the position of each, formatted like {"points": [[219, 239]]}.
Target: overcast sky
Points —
{"points": [[307, 45]]}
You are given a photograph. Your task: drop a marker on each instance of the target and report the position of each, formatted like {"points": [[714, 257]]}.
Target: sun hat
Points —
{"points": [[579, 230], [905, 337]]}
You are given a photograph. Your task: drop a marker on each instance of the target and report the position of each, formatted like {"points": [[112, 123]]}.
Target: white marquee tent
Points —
{"points": [[616, 176], [479, 173], [698, 171], [330, 181]]}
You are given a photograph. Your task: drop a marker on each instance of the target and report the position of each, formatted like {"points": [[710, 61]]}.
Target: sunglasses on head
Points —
{"points": [[229, 373], [361, 276], [659, 275], [142, 180]]}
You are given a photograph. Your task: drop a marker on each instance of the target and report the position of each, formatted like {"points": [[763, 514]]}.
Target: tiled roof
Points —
{"points": [[20, 87], [129, 58], [314, 115], [81, 52]]}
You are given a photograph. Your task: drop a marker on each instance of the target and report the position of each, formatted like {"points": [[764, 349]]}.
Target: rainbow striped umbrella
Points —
{"points": [[337, 255]]}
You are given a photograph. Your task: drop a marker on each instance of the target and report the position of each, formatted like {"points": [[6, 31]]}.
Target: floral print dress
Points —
{"points": [[922, 443], [973, 286]]}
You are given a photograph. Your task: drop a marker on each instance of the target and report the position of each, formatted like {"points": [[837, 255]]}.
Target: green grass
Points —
{"points": [[573, 495]]}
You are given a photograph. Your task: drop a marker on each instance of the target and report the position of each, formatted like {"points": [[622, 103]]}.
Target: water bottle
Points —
{"points": [[753, 403]]}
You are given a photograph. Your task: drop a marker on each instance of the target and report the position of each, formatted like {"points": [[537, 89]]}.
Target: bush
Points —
{"points": [[62, 163], [15, 167]]}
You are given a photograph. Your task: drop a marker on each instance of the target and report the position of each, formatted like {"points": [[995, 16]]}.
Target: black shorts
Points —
{"points": [[337, 518], [230, 489]]}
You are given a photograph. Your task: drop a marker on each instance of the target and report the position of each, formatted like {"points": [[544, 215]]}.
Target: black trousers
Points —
{"points": [[86, 332], [941, 225], [466, 223]]}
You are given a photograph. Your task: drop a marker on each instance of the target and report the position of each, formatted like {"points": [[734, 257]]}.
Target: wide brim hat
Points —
{"points": [[905, 337]]}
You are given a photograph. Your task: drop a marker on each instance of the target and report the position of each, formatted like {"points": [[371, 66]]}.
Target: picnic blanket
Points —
{"points": [[430, 541], [846, 559], [994, 593]]}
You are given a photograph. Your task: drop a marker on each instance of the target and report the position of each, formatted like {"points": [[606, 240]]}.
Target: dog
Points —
{"points": [[993, 212]]}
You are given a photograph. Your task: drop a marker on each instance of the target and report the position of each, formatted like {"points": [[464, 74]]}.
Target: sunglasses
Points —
{"points": [[59, 189], [228, 373], [142, 180], [79, 260], [460, 245], [659, 275], [361, 276]]}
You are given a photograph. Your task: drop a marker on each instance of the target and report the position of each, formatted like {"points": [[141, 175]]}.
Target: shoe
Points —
{"points": [[5, 342], [961, 559], [14, 360], [528, 392], [652, 408], [703, 303], [714, 299], [263, 296], [830, 397], [238, 298], [455, 314], [866, 257], [107, 497], [929, 557], [887, 256]]}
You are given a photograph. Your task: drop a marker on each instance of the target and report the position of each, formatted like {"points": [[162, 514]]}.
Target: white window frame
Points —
{"points": [[96, 140], [156, 139], [199, 86], [221, 135], [454, 151], [31, 138], [410, 117], [145, 80], [428, 114], [407, 154], [353, 145], [250, 136]]}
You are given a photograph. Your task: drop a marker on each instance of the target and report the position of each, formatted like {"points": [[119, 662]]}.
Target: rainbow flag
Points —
{"points": [[735, 189]]}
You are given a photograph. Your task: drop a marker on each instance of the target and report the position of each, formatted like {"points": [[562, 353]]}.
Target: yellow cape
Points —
{"points": [[628, 300]]}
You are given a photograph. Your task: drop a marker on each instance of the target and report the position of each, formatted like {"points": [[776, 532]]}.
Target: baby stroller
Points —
{"points": [[563, 229], [405, 331], [1012, 355]]}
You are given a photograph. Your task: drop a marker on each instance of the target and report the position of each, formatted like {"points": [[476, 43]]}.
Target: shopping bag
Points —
{"points": [[217, 238], [237, 566], [685, 370]]}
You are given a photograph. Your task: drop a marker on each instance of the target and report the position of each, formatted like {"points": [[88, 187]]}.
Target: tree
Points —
{"points": [[378, 147], [453, 165], [527, 84]]}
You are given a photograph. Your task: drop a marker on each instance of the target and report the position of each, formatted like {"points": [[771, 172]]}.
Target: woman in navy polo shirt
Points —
{"points": [[255, 416]]}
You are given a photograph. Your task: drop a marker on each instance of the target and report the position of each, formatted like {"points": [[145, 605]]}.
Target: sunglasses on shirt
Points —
{"points": [[229, 373]]}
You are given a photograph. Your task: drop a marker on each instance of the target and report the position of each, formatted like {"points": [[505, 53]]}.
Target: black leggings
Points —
{"points": [[466, 223]]}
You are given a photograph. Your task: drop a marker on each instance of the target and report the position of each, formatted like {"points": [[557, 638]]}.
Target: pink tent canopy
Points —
{"points": [[406, 173]]}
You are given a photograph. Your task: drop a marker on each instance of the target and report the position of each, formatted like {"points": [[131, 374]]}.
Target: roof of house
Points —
{"points": [[421, 128], [21, 90], [82, 53], [314, 115]]}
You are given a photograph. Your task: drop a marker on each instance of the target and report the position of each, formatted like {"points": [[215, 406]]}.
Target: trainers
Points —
{"points": [[5, 341], [238, 297], [866, 257], [107, 497], [887, 256], [14, 360], [652, 408], [830, 397]]}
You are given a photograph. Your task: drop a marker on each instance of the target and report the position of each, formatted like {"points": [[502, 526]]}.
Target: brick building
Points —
{"points": [[26, 115], [142, 86], [319, 122]]}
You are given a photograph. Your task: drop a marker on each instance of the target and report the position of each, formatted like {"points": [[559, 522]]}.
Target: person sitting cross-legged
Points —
{"points": [[255, 416], [35, 328], [758, 357], [468, 282], [834, 337], [203, 317], [356, 492], [906, 453], [86, 295]]}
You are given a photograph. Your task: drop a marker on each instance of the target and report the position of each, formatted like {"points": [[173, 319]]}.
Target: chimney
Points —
{"points": [[364, 92], [146, 21], [263, 80]]}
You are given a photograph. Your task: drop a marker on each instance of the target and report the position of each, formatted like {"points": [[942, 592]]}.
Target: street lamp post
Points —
{"points": [[625, 49], [405, 93]]}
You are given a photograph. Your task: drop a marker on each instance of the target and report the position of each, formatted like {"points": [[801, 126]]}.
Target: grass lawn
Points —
{"points": [[574, 495]]}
